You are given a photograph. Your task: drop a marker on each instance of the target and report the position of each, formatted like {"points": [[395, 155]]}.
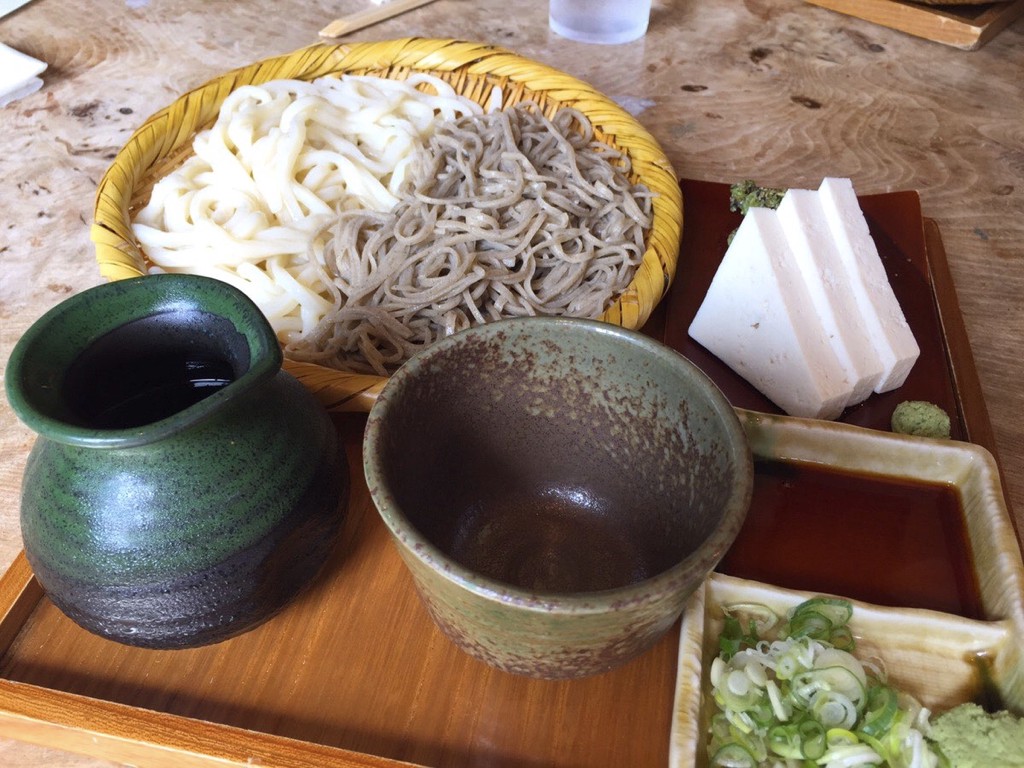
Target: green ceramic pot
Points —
{"points": [[183, 488]]}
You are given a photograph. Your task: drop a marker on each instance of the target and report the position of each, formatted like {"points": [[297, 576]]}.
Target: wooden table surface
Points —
{"points": [[777, 90]]}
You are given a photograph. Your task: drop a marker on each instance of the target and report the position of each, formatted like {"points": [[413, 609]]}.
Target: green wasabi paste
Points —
{"points": [[917, 417], [970, 737]]}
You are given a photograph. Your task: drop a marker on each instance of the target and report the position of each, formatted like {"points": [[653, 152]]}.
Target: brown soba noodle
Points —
{"points": [[504, 214]]}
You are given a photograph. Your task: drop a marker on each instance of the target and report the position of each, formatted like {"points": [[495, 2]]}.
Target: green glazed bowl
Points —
{"points": [[182, 488], [557, 488]]}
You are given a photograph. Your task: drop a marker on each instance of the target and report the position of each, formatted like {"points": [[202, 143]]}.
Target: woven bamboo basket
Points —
{"points": [[164, 141]]}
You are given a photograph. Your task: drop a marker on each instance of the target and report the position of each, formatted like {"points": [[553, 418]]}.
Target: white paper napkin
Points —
{"points": [[19, 75], [9, 6]]}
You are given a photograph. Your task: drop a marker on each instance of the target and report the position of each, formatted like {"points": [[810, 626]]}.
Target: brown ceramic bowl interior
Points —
{"points": [[546, 480], [560, 461]]}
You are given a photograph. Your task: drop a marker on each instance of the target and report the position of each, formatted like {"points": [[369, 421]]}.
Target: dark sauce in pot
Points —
{"points": [[878, 539], [152, 368]]}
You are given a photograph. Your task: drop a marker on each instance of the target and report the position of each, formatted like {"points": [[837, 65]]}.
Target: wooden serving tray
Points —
{"points": [[354, 673], [965, 26]]}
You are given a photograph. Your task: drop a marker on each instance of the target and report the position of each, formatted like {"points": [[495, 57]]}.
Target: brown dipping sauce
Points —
{"points": [[882, 540]]}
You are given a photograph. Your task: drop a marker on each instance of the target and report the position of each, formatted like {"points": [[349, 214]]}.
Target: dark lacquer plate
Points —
{"points": [[896, 226]]}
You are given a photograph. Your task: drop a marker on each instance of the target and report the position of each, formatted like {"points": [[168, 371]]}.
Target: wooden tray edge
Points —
{"points": [[112, 731], [962, 370], [973, 411], [19, 595]]}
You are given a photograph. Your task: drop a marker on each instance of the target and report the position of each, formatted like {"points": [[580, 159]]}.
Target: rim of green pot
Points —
{"points": [[33, 387], [415, 544]]}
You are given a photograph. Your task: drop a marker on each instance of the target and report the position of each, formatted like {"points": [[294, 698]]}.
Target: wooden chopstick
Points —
{"points": [[361, 19]]}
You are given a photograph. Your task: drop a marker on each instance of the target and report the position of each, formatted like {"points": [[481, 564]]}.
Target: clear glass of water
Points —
{"points": [[600, 21]]}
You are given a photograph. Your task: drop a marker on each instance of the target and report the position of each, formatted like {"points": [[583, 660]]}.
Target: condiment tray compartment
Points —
{"points": [[941, 658]]}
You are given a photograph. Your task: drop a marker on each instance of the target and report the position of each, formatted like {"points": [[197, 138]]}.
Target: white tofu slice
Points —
{"points": [[758, 319], [868, 283], [810, 240]]}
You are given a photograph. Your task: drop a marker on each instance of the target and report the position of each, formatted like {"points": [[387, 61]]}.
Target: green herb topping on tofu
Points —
{"points": [[747, 194]]}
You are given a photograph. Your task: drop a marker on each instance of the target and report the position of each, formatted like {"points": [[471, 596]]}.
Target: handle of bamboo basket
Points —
{"points": [[336, 391], [361, 19]]}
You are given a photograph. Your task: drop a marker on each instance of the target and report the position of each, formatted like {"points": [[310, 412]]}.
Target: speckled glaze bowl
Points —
{"points": [[557, 488], [182, 487]]}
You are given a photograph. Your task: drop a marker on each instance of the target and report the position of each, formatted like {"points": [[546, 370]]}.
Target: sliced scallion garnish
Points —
{"points": [[797, 696]]}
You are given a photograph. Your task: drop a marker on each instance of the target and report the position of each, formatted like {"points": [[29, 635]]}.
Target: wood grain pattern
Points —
{"points": [[777, 90]]}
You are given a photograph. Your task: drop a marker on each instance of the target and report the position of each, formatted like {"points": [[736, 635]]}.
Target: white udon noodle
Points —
{"points": [[507, 214], [251, 205]]}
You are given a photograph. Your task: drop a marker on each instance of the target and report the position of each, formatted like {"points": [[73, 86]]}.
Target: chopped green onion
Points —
{"points": [[842, 638], [812, 625], [834, 710], [784, 741], [824, 619], [883, 707], [734, 637], [838, 737], [836, 610], [760, 618], [733, 756], [812, 739], [798, 697], [780, 707]]}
